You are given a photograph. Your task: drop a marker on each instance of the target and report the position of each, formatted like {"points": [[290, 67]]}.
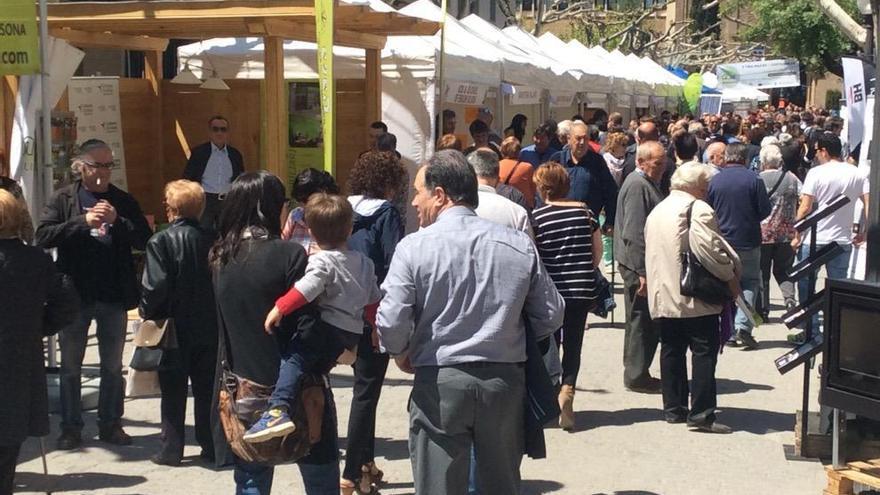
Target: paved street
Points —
{"points": [[621, 445]]}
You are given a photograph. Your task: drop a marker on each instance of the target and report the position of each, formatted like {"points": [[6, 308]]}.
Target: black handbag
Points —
{"points": [[151, 340], [146, 358], [696, 280]]}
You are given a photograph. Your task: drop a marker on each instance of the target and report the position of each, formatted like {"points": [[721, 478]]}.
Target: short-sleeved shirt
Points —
{"points": [[826, 182], [343, 282], [564, 236]]}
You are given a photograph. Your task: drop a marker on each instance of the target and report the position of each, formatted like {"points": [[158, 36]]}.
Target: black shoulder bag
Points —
{"points": [[696, 280]]}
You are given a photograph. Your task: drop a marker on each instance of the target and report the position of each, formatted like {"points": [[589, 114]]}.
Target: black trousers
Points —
{"points": [[776, 258], [211, 216], [701, 336], [640, 335], [572, 337], [8, 459], [369, 374], [195, 364]]}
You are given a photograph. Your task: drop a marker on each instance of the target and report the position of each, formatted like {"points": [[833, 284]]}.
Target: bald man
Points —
{"points": [[715, 157], [646, 132], [638, 195]]}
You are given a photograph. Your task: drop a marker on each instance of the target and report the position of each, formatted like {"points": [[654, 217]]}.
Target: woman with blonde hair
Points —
{"points": [[177, 284], [35, 302], [569, 244]]}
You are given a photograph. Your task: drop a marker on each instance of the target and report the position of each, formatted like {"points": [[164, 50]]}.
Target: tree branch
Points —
{"points": [[850, 28]]}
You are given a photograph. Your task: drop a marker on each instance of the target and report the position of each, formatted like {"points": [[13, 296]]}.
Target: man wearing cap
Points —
{"points": [[95, 225], [214, 165]]}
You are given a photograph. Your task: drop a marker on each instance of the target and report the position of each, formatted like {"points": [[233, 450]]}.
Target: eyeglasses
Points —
{"points": [[99, 164], [218, 129]]}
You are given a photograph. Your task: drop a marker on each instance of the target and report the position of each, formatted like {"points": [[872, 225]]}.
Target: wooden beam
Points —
{"points": [[86, 39], [153, 74], [176, 10], [373, 86], [306, 31], [275, 107]]}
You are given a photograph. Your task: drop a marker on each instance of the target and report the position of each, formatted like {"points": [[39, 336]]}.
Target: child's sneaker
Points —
{"points": [[274, 423]]}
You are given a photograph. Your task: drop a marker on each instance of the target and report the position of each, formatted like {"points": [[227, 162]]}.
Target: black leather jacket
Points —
{"points": [[177, 282]]}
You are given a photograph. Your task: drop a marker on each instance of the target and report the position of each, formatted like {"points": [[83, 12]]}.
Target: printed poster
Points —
{"points": [[95, 101]]}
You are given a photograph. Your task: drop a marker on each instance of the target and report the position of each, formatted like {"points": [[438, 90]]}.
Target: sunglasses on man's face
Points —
{"points": [[218, 129], [99, 164]]}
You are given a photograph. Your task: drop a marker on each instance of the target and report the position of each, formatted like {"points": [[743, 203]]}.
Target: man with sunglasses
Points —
{"points": [[94, 225], [214, 164]]}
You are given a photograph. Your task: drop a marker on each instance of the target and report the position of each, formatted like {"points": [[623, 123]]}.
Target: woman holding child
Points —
{"points": [[253, 268]]}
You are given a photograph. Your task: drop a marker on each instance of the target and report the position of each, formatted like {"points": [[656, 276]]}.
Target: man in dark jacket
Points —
{"points": [[639, 194], [94, 225], [591, 181], [214, 165], [740, 200]]}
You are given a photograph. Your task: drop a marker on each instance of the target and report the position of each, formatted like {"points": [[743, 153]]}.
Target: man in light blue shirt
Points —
{"points": [[456, 298]]}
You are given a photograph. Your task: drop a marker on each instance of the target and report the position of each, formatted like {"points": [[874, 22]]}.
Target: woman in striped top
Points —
{"points": [[568, 240]]}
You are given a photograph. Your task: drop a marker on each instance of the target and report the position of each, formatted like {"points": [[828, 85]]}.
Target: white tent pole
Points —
{"points": [[442, 82]]}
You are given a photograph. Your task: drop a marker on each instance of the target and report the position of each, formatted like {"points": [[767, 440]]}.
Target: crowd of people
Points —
{"points": [[486, 302]]}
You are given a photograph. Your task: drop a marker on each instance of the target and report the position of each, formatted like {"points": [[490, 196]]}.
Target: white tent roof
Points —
{"points": [[665, 83], [742, 92]]}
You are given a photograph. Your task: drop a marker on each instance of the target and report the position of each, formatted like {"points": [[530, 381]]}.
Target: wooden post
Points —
{"points": [[8, 89], [373, 86], [275, 108], [153, 74]]}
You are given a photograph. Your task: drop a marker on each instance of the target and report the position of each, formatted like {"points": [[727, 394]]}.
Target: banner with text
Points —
{"points": [[784, 73], [19, 38], [525, 95], [465, 93], [561, 99], [95, 102], [596, 100], [857, 86], [324, 27]]}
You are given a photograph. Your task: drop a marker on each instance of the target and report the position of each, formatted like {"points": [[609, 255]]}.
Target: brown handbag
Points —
{"points": [[242, 402]]}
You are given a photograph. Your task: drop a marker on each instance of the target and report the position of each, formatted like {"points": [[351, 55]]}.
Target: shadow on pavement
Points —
{"points": [[756, 421], [727, 386], [590, 420], [619, 325], [74, 482], [538, 487]]}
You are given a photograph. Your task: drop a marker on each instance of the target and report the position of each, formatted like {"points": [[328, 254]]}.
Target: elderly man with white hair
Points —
{"points": [[777, 230], [680, 222]]}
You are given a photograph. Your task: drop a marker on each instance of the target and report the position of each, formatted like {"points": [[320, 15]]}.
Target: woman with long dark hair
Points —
{"points": [[517, 127], [376, 180], [252, 267]]}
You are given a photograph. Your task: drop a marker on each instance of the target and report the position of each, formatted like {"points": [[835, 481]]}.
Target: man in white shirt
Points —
{"points": [[214, 165], [823, 183], [493, 206]]}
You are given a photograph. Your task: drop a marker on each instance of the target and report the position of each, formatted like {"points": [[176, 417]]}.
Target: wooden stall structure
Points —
{"points": [[154, 124]]}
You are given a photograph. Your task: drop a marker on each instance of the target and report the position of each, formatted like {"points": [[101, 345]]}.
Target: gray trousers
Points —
{"points": [[641, 335], [454, 408]]}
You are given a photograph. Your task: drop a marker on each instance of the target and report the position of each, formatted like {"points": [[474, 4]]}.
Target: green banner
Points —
{"points": [[324, 27], [19, 38]]}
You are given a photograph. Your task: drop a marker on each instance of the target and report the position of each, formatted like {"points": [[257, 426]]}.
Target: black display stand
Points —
{"points": [[809, 267]]}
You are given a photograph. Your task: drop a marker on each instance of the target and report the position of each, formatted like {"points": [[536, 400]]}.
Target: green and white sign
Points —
{"points": [[19, 38]]}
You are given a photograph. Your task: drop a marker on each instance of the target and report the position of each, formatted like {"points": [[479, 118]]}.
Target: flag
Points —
{"points": [[857, 86]]}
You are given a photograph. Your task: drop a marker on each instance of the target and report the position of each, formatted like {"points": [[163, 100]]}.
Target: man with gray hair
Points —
{"points": [[457, 298], [492, 205], [740, 200], [95, 225], [639, 194]]}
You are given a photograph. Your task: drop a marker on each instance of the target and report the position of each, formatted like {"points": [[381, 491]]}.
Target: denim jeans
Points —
{"points": [[750, 281], [256, 479], [837, 267], [111, 320], [294, 361]]}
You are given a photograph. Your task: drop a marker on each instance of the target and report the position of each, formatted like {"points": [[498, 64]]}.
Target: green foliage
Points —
{"points": [[798, 29], [832, 99]]}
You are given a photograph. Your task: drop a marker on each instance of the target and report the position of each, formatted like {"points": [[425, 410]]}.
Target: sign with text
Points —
{"points": [[465, 93], [783, 73], [19, 38], [324, 27], [525, 95], [858, 85], [560, 99], [95, 102], [597, 100]]}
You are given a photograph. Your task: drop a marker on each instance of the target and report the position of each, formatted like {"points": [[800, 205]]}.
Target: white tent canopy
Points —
{"points": [[742, 92]]}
